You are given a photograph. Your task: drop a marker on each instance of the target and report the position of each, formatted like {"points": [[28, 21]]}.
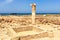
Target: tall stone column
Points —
{"points": [[33, 12]]}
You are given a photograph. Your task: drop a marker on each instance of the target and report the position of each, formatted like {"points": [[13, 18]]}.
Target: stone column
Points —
{"points": [[33, 12]]}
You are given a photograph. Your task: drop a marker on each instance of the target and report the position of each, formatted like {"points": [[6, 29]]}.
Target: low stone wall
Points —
{"points": [[23, 29], [29, 37]]}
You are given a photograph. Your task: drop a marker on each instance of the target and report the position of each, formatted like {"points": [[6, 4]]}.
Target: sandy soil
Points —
{"points": [[49, 23]]}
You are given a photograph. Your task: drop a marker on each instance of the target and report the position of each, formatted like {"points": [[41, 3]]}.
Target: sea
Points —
{"points": [[4, 14]]}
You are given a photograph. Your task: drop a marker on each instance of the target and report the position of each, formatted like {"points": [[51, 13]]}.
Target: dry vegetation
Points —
{"points": [[24, 20]]}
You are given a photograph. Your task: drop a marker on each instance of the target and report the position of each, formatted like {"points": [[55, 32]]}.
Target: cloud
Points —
{"points": [[6, 2]]}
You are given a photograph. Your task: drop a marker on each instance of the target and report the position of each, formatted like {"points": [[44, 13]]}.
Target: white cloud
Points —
{"points": [[6, 2]]}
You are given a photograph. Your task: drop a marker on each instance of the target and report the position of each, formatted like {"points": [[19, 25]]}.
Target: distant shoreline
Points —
{"points": [[28, 13]]}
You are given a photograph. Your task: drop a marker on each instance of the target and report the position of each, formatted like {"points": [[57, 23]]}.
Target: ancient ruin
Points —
{"points": [[27, 27]]}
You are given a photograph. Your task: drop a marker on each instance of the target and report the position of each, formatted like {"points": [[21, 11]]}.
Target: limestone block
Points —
{"points": [[16, 38], [23, 29], [29, 37]]}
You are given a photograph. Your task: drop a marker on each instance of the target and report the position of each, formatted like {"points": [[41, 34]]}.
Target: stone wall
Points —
{"points": [[23, 29], [29, 37]]}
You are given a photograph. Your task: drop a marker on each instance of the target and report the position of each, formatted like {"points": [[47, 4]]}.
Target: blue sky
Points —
{"points": [[23, 6]]}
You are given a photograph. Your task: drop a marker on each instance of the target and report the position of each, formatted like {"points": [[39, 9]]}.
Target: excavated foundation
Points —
{"points": [[28, 33]]}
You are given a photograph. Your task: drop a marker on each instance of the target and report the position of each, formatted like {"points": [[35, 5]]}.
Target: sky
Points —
{"points": [[23, 6]]}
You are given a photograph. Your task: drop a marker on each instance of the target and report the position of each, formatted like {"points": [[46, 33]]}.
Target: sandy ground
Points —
{"points": [[47, 23]]}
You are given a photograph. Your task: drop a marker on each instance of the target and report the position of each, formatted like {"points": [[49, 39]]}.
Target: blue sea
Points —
{"points": [[25, 13]]}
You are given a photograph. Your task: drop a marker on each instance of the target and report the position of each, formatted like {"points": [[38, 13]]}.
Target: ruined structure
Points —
{"points": [[26, 28]]}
